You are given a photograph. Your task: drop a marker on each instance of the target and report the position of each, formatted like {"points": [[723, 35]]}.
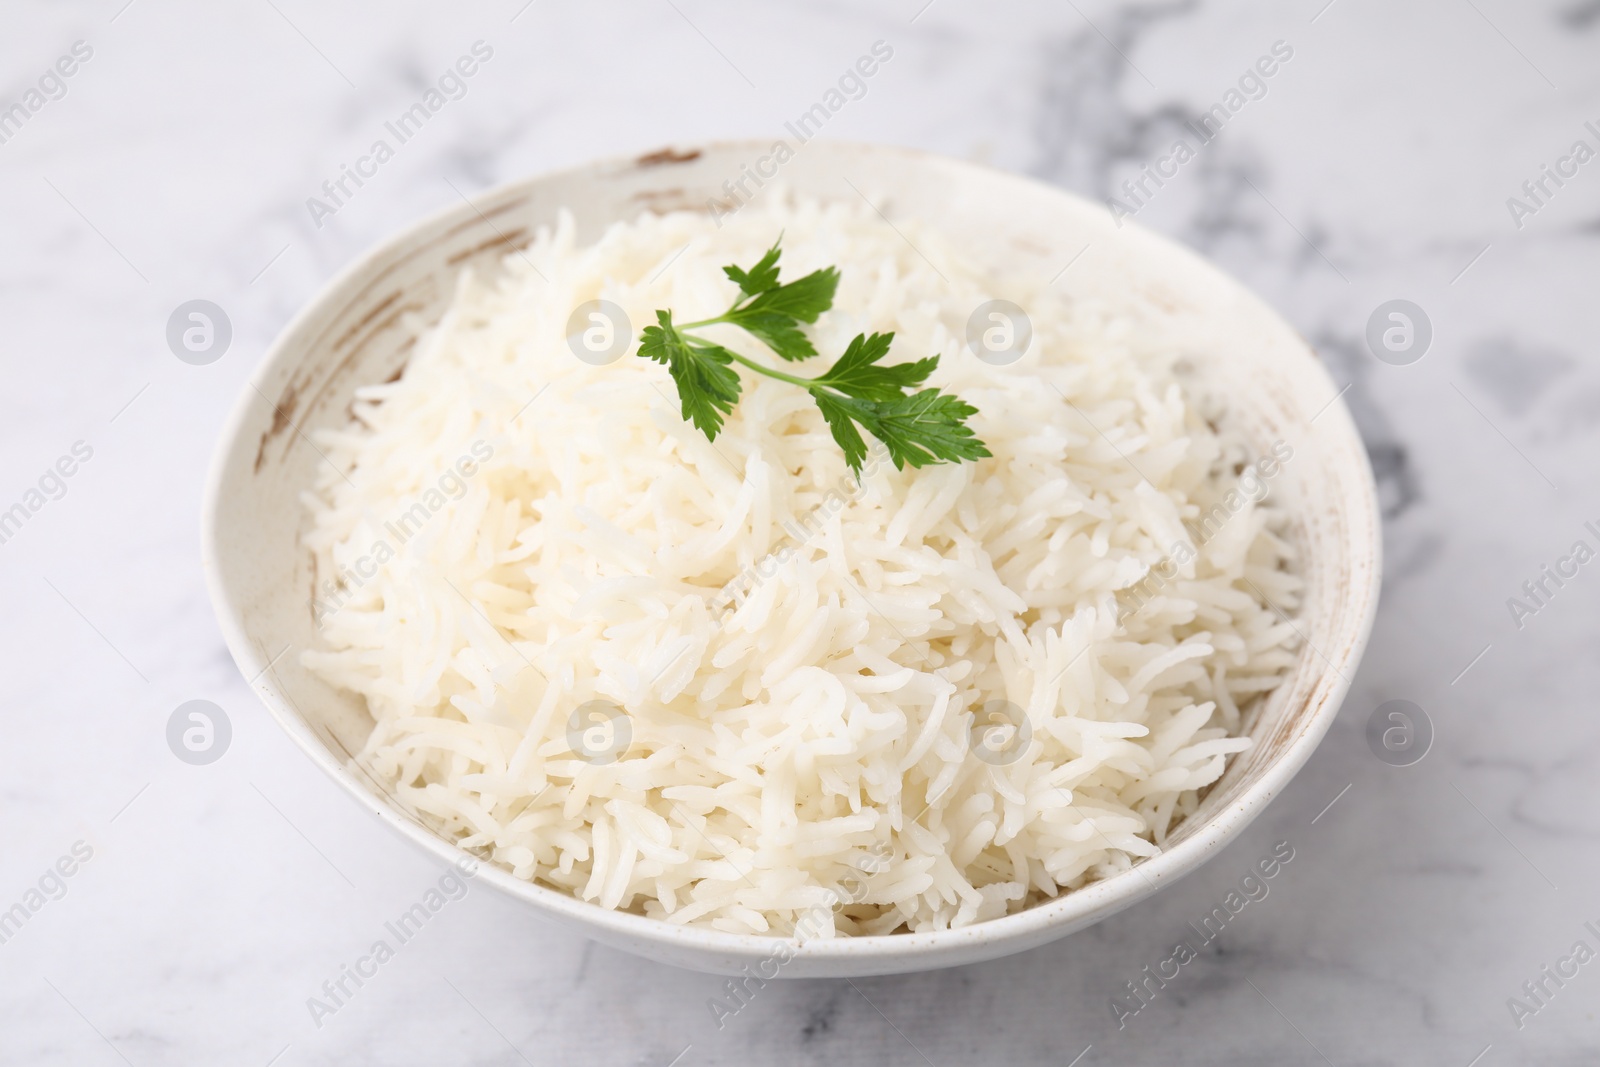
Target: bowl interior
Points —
{"points": [[352, 334]]}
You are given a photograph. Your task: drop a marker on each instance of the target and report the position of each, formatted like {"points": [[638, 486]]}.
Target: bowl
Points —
{"points": [[352, 334]]}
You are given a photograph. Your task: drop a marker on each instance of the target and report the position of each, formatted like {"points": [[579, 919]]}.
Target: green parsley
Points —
{"points": [[857, 393]]}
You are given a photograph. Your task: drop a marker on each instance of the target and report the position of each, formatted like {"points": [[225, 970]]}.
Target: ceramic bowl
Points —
{"points": [[351, 334]]}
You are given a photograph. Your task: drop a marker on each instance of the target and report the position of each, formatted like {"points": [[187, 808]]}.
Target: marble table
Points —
{"points": [[186, 913]]}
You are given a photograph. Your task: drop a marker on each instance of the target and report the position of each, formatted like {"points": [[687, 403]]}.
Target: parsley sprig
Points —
{"points": [[857, 393]]}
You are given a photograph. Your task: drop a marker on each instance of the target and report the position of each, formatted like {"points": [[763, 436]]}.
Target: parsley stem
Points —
{"points": [[804, 383], [712, 322]]}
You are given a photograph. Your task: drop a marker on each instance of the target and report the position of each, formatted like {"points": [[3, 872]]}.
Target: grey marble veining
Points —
{"points": [[1376, 164]]}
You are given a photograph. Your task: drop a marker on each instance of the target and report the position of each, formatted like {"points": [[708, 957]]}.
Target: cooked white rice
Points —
{"points": [[799, 706]]}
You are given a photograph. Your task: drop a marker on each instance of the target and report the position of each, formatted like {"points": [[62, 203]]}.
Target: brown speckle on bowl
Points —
{"points": [[667, 155], [282, 419], [512, 241], [355, 328]]}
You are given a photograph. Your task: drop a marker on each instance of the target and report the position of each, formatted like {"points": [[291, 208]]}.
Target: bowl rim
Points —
{"points": [[1070, 911]]}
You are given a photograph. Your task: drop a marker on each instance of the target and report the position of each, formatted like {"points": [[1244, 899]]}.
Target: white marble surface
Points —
{"points": [[1376, 166]]}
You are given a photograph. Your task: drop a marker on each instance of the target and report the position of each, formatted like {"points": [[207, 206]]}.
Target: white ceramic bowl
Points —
{"points": [[350, 334]]}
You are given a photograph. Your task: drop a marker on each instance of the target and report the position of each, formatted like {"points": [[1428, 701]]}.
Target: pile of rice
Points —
{"points": [[805, 667]]}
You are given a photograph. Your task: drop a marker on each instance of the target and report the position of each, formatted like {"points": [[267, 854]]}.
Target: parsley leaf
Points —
{"points": [[857, 374], [803, 299], [857, 393], [840, 420], [775, 314], [926, 427], [708, 386], [761, 277], [780, 332]]}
